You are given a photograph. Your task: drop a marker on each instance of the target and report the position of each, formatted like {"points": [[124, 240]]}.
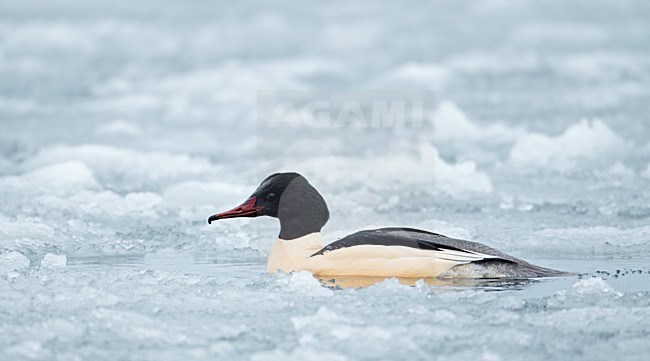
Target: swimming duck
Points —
{"points": [[384, 252]]}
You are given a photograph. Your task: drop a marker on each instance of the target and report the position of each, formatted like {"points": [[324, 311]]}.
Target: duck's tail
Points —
{"points": [[497, 268], [539, 271]]}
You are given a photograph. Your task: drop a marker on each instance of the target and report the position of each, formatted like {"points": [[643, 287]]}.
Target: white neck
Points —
{"points": [[292, 255]]}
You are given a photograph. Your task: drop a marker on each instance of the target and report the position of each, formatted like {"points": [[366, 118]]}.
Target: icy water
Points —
{"points": [[124, 125]]}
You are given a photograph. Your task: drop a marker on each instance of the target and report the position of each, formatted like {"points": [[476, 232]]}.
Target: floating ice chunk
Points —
{"points": [[304, 282], [55, 329], [141, 201], [54, 261], [179, 93], [432, 76], [586, 140], [66, 177], [110, 204], [342, 332], [97, 296], [428, 172], [234, 80], [507, 201], [13, 262], [454, 179], [617, 174], [451, 123], [594, 285], [118, 127], [525, 207], [30, 349], [482, 62], [24, 228], [391, 285], [194, 193], [138, 326], [323, 316], [126, 168], [434, 172], [430, 72]]}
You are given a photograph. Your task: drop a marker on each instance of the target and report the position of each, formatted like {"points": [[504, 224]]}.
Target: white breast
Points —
{"points": [[364, 260], [293, 255]]}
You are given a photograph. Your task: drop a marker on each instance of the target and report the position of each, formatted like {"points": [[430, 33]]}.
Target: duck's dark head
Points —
{"points": [[288, 197]]}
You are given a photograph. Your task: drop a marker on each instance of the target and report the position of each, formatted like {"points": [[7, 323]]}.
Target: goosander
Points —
{"points": [[384, 252]]}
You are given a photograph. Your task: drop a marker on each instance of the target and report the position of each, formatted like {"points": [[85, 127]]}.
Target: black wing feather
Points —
{"points": [[406, 237]]}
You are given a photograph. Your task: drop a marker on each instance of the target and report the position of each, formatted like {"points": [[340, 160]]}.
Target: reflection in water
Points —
{"points": [[104, 260], [491, 284], [186, 263]]}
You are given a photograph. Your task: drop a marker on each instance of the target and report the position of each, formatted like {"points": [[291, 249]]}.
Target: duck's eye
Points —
{"points": [[270, 196]]}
